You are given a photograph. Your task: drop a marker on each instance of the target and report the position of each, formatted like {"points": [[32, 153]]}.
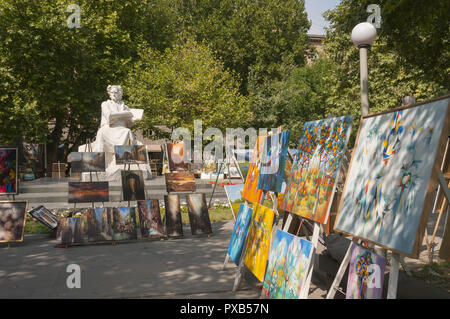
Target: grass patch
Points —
{"points": [[436, 274]]}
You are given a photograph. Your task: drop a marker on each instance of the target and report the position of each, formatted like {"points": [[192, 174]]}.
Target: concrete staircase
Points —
{"points": [[53, 193]]}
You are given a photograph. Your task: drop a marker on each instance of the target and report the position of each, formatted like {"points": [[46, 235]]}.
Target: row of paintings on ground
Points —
{"points": [[103, 224], [283, 267], [391, 179]]}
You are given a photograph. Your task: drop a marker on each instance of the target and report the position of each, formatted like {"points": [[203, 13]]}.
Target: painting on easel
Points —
{"points": [[180, 182], [88, 192], [393, 175], [177, 157], [365, 275], [258, 241], [315, 168], [130, 154], [273, 162], [239, 232], [150, 218], [133, 185], [87, 162], [12, 220], [251, 192], [288, 264], [8, 171]]}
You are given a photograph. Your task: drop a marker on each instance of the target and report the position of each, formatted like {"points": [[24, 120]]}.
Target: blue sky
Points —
{"points": [[315, 9]]}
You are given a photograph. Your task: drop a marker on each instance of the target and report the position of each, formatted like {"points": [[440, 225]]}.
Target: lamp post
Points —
{"points": [[363, 35]]}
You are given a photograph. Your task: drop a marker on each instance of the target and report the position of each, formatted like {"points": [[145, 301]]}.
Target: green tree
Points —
{"points": [[183, 84], [51, 72]]}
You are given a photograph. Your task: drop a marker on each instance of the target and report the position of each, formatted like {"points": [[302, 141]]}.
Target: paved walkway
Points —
{"points": [[188, 267]]}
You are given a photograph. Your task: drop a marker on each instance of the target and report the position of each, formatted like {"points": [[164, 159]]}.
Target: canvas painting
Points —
{"points": [[288, 265], [365, 274], [99, 222], [174, 226], [198, 214], [130, 154], [251, 192], [8, 171], [389, 185], [88, 192], [239, 234], [234, 194], [124, 223], [12, 220], [150, 218], [87, 162], [315, 168], [259, 233], [44, 216], [273, 162], [180, 182], [177, 157], [71, 230], [133, 185]]}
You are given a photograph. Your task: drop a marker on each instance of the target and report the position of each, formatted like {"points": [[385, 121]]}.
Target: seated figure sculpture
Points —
{"points": [[116, 120]]}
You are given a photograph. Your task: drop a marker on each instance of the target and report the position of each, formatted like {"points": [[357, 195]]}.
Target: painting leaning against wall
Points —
{"points": [[315, 168], [389, 186]]}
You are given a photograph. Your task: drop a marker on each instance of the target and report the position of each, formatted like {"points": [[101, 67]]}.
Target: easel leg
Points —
{"points": [[337, 280], [215, 185], [393, 277], [305, 289], [227, 258]]}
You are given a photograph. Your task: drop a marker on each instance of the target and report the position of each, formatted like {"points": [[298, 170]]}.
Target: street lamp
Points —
{"points": [[363, 35]]}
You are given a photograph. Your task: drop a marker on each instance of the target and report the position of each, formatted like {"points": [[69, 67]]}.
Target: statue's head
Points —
{"points": [[115, 92]]}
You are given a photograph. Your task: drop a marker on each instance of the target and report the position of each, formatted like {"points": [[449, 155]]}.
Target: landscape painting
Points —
{"points": [[198, 214], [177, 157], [273, 162], [251, 192], [180, 182], [8, 171], [234, 194], [173, 222], [365, 274], [71, 230], [130, 154], [87, 162], [44, 216], [288, 265], [133, 185], [124, 223], [99, 222], [88, 192], [12, 220], [389, 190], [315, 168], [150, 218], [239, 233], [259, 233]]}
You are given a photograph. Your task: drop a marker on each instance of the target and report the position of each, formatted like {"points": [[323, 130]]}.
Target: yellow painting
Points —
{"points": [[258, 241], [251, 192]]}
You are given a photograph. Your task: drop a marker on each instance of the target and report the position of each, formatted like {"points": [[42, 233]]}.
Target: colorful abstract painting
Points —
{"points": [[173, 222], [388, 183], [257, 248], [12, 220], [239, 233], [124, 223], [8, 171], [315, 168], [234, 194], [365, 275], [150, 218], [99, 222], [251, 192], [273, 162], [287, 268], [198, 214]]}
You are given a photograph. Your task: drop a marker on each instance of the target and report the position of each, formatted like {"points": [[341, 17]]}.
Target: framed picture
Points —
{"points": [[45, 216], [173, 222], [88, 192], [198, 214], [393, 174], [133, 185], [8, 171], [131, 154], [87, 162], [12, 220], [150, 218], [180, 182]]}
